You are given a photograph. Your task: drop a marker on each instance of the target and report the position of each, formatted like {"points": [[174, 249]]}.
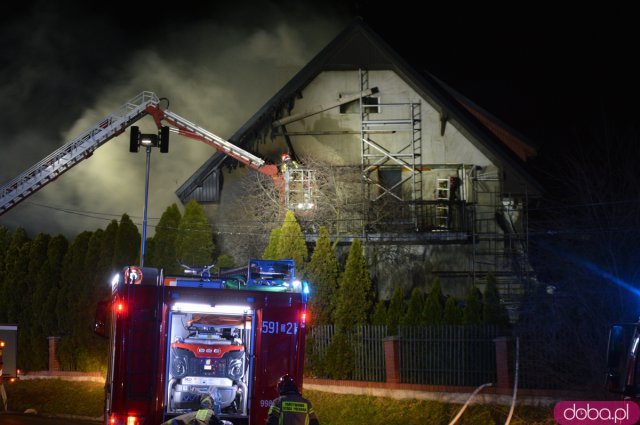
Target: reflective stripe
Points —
{"points": [[274, 409], [295, 406]]}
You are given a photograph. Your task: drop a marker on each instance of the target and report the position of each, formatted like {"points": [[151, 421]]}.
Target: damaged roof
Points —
{"points": [[359, 47]]}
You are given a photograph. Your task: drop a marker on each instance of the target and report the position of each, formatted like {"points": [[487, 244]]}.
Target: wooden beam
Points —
{"points": [[322, 108]]}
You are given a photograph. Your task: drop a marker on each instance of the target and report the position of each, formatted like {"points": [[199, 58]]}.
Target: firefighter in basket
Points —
{"points": [[287, 163]]}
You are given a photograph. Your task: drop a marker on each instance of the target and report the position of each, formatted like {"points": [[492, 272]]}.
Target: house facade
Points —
{"points": [[432, 184]]}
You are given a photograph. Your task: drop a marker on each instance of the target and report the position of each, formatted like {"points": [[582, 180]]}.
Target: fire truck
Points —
{"points": [[623, 360], [175, 339]]}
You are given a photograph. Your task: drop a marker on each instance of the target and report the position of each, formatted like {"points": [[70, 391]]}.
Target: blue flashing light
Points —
{"points": [[305, 291], [595, 269]]}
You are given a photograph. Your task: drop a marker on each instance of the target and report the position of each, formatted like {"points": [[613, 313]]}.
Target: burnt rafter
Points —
{"points": [[444, 117], [321, 108]]}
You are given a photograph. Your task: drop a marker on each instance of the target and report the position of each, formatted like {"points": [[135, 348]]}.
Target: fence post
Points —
{"points": [[504, 376], [392, 359], [54, 364]]}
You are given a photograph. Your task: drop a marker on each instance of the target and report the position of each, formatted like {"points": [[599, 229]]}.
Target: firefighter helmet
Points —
{"points": [[285, 157], [287, 384], [206, 402]]}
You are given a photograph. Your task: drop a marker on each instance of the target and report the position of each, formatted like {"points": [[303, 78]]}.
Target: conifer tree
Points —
{"points": [[163, 248], [16, 261], [194, 243], [322, 273], [224, 260], [127, 244], [493, 311], [472, 311], [413, 316], [271, 251], [74, 277], [291, 243], [47, 284], [340, 357], [379, 314], [30, 334], [434, 304], [396, 311], [452, 312], [5, 239], [93, 349], [106, 267], [91, 260], [56, 252], [355, 291]]}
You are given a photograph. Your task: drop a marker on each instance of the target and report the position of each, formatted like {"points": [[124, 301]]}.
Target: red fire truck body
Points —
{"points": [[176, 339]]}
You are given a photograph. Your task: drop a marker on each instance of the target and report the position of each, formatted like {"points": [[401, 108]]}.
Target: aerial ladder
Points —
{"points": [[146, 103]]}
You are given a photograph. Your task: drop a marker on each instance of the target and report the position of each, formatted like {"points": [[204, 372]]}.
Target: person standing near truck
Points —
{"points": [[291, 408]]}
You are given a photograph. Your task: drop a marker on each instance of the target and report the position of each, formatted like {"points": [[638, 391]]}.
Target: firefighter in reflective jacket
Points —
{"points": [[203, 416], [291, 408], [287, 163]]}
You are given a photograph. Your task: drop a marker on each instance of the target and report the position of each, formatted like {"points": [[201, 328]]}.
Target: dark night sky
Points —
{"points": [[546, 73]]}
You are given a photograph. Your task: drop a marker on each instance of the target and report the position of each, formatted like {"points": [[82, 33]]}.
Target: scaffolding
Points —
{"points": [[500, 239], [391, 170], [480, 213]]}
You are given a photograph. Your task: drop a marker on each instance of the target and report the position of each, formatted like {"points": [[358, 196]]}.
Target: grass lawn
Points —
{"points": [[342, 409], [55, 396]]}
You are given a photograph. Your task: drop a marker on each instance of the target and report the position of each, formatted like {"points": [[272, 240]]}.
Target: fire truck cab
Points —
{"points": [[175, 339], [623, 365]]}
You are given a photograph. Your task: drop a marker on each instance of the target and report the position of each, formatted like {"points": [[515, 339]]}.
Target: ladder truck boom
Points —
{"points": [[188, 129], [73, 152], [82, 147]]}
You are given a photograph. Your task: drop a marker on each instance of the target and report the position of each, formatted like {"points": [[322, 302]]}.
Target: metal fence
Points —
{"points": [[466, 356], [368, 348], [562, 359], [448, 355], [433, 355], [369, 352]]}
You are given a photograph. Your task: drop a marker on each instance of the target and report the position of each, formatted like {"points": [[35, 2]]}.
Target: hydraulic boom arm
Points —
{"points": [[75, 151]]}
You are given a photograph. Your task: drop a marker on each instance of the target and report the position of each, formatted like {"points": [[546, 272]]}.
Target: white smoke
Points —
{"points": [[215, 74]]}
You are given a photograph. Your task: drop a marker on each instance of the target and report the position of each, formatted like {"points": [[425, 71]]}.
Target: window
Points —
{"points": [[390, 179]]}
